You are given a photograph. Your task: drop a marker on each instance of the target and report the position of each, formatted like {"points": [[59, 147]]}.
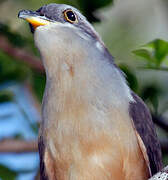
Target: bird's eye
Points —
{"points": [[70, 16]]}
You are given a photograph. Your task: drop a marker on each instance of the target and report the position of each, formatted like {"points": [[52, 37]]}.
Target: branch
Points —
{"points": [[162, 175], [21, 54], [160, 121], [164, 146], [17, 146], [154, 68]]}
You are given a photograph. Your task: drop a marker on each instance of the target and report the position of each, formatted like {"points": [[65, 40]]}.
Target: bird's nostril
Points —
{"points": [[40, 13]]}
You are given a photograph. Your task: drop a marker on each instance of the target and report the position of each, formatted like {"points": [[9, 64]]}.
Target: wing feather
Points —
{"points": [[146, 130], [41, 148]]}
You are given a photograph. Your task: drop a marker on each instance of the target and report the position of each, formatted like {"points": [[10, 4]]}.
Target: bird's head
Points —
{"points": [[58, 14], [63, 33]]}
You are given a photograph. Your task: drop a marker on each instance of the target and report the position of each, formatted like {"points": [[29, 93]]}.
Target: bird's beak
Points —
{"points": [[33, 18]]}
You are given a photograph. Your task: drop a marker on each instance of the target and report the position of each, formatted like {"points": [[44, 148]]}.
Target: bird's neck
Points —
{"points": [[76, 85]]}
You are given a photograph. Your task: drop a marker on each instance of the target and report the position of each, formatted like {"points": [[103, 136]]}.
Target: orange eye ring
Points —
{"points": [[70, 16]]}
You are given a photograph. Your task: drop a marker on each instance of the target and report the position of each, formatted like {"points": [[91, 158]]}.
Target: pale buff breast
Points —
{"points": [[80, 150]]}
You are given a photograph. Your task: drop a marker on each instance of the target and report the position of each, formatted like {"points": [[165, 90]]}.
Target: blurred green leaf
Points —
{"points": [[160, 48], [151, 94], [6, 96], [12, 69], [6, 173], [39, 81], [15, 38], [154, 52], [144, 53], [130, 76]]}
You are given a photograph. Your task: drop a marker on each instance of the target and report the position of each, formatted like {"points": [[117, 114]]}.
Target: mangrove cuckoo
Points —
{"points": [[93, 126]]}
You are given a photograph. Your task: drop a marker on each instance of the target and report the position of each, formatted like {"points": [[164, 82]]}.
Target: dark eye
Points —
{"points": [[70, 16]]}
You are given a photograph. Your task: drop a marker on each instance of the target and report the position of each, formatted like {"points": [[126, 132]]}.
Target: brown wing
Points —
{"points": [[41, 148], [144, 151], [146, 130]]}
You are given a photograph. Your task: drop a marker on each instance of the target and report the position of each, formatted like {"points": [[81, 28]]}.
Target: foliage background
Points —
{"points": [[124, 25]]}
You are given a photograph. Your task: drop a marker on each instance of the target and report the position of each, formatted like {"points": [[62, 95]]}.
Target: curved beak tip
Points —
{"points": [[23, 14]]}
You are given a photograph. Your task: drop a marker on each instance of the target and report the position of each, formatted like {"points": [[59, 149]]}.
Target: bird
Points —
{"points": [[94, 127]]}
